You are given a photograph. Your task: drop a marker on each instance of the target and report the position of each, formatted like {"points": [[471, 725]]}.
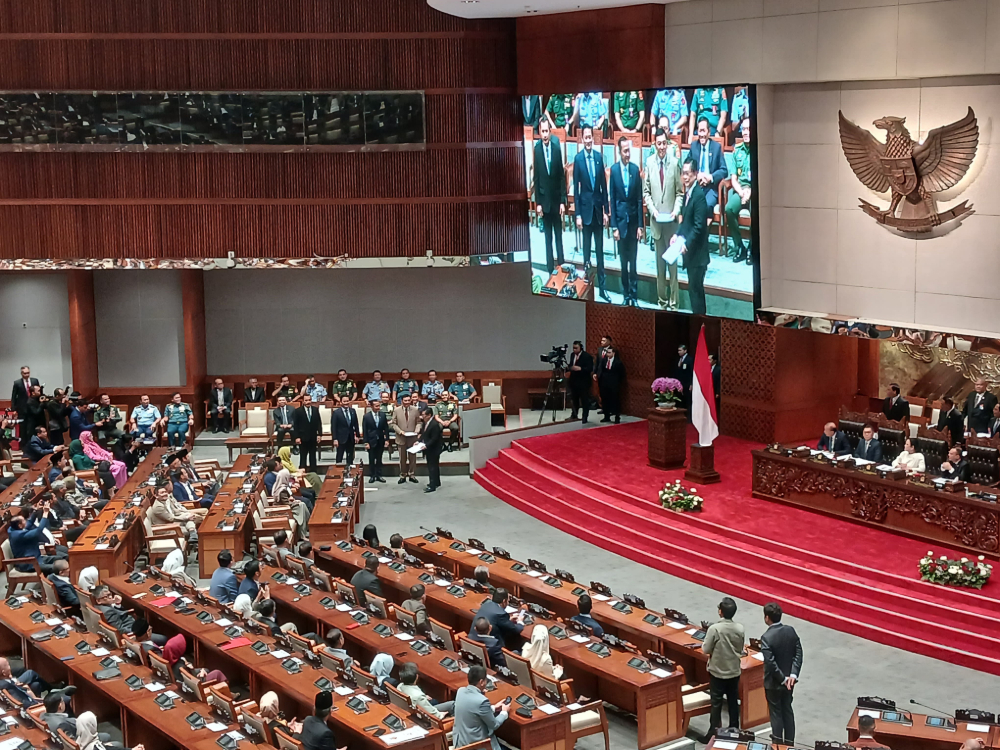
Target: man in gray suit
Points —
{"points": [[663, 193], [475, 718]]}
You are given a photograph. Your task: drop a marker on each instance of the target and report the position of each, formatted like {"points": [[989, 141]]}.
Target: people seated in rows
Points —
{"points": [[306, 479], [314, 731], [178, 418], [480, 633], [481, 574], [88, 738], [712, 106], [670, 104], [585, 604], [869, 448], [366, 580], [956, 467], [629, 111], [166, 510], [58, 715], [951, 418], [107, 419], [408, 675], [27, 532], [173, 652], [284, 388], [979, 408], [39, 445], [712, 170], [536, 651], [381, 669], [249, 585], [28, 686], [910, 459], [894, 406], [253, 393], [110, 607], [405, 386], [63, 586], [334, 646], [62, 510], [375, 387], [220, 407], [96, 453], [462, 389], [184, 491], [224, 587], [316, 391], [345, 430], [432, 388], [834, 440], [271, 714], [388, 406], [343, 386]]}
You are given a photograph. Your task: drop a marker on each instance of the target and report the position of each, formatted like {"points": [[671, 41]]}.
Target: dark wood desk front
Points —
{"points": [[903, 506], [338, 505], [917, 735], [236, 530]]}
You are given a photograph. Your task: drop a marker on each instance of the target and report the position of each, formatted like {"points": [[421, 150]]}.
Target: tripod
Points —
{"points": [[555, 380]]}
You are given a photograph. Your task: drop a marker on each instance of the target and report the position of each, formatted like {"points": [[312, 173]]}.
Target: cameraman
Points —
{"points": [[57, 410], [581, 365]]}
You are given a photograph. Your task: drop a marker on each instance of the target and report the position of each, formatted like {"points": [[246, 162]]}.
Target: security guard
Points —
{"points": [[461, 389], [739, 195], [630, 111], [179, 419], [559, 109], [711, 104], [405, 386], [106, 420], [446, 413], [343, 386]]}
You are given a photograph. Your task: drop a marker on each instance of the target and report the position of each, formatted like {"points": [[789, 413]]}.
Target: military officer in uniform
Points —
{"points": [[178, 418], [462, 389], [630, 111], [591, 110], [710, 104], [387, 405], [106, 420], [559, 109], [405, 386], [342, 386], [285, 388], [672, 104], [446, 413], [739, 196], [739, 110]]}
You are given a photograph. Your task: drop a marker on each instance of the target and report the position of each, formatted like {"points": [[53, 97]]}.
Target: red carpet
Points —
{"points": [[595, 484]]}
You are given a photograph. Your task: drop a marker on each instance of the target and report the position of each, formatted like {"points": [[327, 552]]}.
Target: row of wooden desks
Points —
{"points": [[23, 490], [228, 524], [338, 505], [95, 547], [213, 649], [902, 730], [142, 720]]}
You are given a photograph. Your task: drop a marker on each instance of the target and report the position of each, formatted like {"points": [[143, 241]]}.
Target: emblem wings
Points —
{"points": [[941, 160], [864, 154]]}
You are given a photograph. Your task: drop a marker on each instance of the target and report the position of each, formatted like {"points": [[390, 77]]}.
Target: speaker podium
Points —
{"points": [[667, 428]]}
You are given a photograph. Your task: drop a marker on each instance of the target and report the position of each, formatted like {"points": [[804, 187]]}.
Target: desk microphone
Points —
{"points": [[935, 710]]}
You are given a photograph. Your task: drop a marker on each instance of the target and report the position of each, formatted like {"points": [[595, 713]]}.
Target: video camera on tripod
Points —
{"points": [[556, 357]]}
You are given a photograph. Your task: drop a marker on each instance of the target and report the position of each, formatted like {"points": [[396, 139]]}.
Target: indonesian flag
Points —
{"points": [[703, 415]]}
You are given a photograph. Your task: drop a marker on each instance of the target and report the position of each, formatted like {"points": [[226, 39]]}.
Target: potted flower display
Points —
{"points": [[673, 497], [965, 572], [667, 392]]}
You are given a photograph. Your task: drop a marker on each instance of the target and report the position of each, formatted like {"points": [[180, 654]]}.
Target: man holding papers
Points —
{"points": [[663, 194], [692, 235]]}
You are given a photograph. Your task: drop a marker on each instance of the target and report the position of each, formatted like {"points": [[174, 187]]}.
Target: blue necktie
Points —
{"points": [[590, 165], [704, 158], [625, 178]]}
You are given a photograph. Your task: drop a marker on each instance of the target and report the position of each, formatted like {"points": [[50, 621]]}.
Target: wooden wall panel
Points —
{"points": [[592, 50], [634, 333], [83, 330]]}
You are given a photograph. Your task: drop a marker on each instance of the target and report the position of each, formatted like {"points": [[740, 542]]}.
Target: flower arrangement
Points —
{"points": [[673, 497], [667, 391], [964, 572]]}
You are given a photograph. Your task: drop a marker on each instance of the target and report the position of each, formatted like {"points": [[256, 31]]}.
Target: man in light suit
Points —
{"points": [[694, 230], [869, 448], [782, 652], [625, 201], [344, 429], [376, 432], [308, 427], [475, 718], [590, 188], [710, 164], [404, 421], [220, 407], [283, 418], [663, 193], [550, 191]]}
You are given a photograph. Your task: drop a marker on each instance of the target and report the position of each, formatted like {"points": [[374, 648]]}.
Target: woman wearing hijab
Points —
{"points": [[381, 669], [370, 535], [105, 480], [174, 651], [81, 461], [89, 578], [312, 479], [537, 652], [86, 733], [269, 711], [244, 606], [174, 566], [97, 453]]}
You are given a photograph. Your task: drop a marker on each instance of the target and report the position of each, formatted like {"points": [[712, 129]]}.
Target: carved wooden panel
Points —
{"points": [[633, 331]]}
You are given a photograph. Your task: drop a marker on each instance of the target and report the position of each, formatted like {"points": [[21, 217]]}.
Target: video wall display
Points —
{"points": [[645, 198], [210, 119]]}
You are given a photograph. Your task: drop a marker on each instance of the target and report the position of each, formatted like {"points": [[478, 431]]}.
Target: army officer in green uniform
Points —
{"points": [[739, 196], [559, 109], [630, 111], [711, 104], [343, 386], [106, 421], [446, 413]]}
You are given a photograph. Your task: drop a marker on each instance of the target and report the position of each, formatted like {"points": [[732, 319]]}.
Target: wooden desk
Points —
{"points": [[235, 532], [257, 443], [338, 505], [672, 638], [262, 673], [115, 560], [905, 507], [918, 736]]}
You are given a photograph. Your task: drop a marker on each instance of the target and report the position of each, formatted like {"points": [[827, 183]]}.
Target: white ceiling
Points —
{"points": [[512, 8]]}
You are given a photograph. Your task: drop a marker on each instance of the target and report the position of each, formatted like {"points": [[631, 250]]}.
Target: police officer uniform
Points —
{"points": [[709, 104], [110, 433], [741, 168], [341, 388], [628, 106]]}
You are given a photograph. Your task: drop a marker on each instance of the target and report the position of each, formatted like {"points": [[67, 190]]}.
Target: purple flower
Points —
{"points": [[666, 385]]}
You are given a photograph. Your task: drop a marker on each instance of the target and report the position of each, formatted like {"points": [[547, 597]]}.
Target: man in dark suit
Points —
{"points": [[694, 231], [254, 393], [684, 372], [283, 417], [502, 627], [39, 445], [895, 407], [376, 432], [65, 592], [833, 440], [710, 164], [625, 202], [590, 188], [994, 426], [782, 652], [979, 407], [550, 190], [316, 733], [220, 406], [610, 378], [22, 391], [366, 580], [308, 427], [432, 438], [951, 418], [581, 365], [480, 633], [956, 467], [869, 448], [345, 431], [716, 380]]}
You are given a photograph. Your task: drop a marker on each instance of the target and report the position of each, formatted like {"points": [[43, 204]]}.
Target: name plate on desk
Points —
{"points": [[954, 487], [888, 472]]}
